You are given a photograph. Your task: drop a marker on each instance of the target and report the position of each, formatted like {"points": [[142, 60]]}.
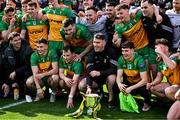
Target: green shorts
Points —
{"points": [[152, 56], [144, 52], [57, 46]]}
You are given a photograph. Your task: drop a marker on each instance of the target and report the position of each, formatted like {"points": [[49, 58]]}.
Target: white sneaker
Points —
{"points": [[52, 97], [36, 99], [28, 98], [146, 107]]}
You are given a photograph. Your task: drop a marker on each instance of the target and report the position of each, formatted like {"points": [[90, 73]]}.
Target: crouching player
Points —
{"points": [[44, 64], [133, 66], [173, 113], [69, 72], [168, 67]]}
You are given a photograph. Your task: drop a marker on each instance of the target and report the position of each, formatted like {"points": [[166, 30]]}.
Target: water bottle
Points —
{"points": [[16, 93]]}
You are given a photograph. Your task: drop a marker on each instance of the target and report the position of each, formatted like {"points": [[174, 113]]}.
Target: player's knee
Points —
{"points": [[61, 83], [111, 80], [29, 81], [173, 112], [82, 86], [55, 79], [170, 115], [168, 91]]}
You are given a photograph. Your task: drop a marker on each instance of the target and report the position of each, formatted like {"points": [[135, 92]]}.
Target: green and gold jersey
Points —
{"points": [[173, 76], [16, 28], [132, 68], [75, 67], [37, 29], [44, 63], [55, 17], [80, 38], [133, 31]]}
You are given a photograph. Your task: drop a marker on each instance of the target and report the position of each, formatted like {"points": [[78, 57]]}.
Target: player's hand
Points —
{"points": [[40, 93], [159, 50], [148, 86], [69, 82], [177, 95], [77, 57], [12, 22], [12, 75], [100, 13], [115, 37], [75, 82], [41, 16], [24, 18], [122, 87], [175, 55], [88, 91], [4, 18], [95, 73], [15, 85], [133, 14], [117, 43], [159, 19], [6, 89], [116, 40], [70, 103], [81, 14], [128, 90]]}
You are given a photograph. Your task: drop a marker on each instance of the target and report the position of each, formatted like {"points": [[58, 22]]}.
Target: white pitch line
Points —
{"points": [[12, 105]]}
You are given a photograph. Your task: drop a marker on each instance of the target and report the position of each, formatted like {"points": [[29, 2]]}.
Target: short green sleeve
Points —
{"points": [[34, 59], [62, 33], [78, 68], [120, 62], [84, 33], [119, 31], [138, 15], [44, 10], [141, 65], [69, 13]]}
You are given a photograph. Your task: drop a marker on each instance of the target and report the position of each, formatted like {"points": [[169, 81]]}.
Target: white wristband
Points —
{"points": [[70, 96]]}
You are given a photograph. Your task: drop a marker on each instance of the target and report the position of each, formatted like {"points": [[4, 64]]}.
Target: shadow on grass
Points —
{"points": [[58, 110]]}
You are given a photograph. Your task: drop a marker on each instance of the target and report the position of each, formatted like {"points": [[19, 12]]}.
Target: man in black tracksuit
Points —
{"points": [[17, 62], [101, 67]]}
